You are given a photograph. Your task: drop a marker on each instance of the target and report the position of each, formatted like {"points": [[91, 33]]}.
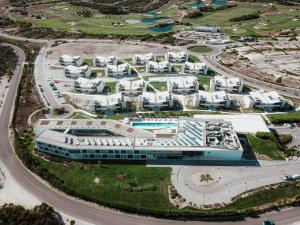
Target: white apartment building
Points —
{"points": [[181, 85], [156, 101], [264, 100], [88, 86], [118, 70], [102, 61], [108, 103], [131, 87], [206, 29], [75, 71], [195, 68], [176, 57], [143, 59], [66, 60], [230, 85], [211, 100], [158, 67]]}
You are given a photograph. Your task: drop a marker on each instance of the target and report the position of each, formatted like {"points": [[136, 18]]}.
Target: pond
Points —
{"points": [[151, 13], [215, 2], [152, 19], [218, 2], [159, 28]]}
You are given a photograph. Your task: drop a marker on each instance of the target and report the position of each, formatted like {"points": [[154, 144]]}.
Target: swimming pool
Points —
{"points": [[154, 124]]}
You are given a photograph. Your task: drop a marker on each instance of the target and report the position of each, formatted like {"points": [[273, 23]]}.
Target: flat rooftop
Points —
{"points": [[192, 135]]}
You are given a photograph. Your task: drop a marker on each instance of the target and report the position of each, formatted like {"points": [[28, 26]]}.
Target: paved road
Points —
{"points": [[79, 209]]}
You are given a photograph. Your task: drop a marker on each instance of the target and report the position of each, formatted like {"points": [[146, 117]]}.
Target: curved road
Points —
{"points": [[77, 208]]}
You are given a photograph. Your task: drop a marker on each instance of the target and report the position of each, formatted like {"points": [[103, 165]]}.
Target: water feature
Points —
{"points": [[162, 28], [151, 13], [154, 124], [152, 19], [197, 4]]}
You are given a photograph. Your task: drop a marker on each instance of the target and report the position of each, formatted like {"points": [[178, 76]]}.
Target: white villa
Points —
{"points": [[180, 85], [118, 70], [176, 57], [108, 103], [88, 86], [75, 71], [131, 87], [230, 85], [264, 100], [212, 100], [158, 67], [143, 59], [195, 68], [66, 60], [156, 101], [102, 61]]}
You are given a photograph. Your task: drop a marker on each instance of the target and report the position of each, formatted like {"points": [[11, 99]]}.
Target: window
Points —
{"points": [[97, 151], [110, 151], [84, 151], [123, 152], [130, 156], [136, 152]]}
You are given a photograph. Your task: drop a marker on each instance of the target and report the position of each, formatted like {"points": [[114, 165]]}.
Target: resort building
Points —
{"points": [[195, 139], [195, 68], [102, 61], [156, 101], [108, 103], [66, 60], [143, 59], [264, 100], [211, 100], [176, 57], [118, 70], [182, 85], [131, 87], [206, 29], [230, 85], [88, 86], [158, 67], [75, 72]]}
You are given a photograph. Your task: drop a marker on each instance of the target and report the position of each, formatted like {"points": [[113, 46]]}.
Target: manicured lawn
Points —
{"points": [[99, 72], [200, 48], [81, 116], [291, 117], [204, 81], [140, 69], [161, 86], [194, 58], [267, 147], [88, 62]]}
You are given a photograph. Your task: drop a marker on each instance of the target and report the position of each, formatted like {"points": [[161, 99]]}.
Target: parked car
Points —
{"points": [[268, 222], [292, 177]]}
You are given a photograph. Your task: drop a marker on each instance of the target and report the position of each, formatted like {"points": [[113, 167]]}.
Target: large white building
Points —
{"points": [[181, 85], [195, 68], [176, 57], [156, 101], [211, 100], [102, 61], [118, 70], [195, 139], [89, 86], [230, 85], [143, 59], [75, 71], [264, 100], [66, 60], [158, 67], [108, 103], [131, 87], [206, 29]]}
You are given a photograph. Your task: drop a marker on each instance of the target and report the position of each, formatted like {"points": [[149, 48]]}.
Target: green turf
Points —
{"points": [[200, 48], [267, 147], [81, 116], [194, 58], [293, 117], [112, 86], [161, 86], [204, 81]]}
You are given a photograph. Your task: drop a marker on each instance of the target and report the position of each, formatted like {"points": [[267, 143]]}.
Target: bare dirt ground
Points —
{"points": [[272, 61], [122, 50]]}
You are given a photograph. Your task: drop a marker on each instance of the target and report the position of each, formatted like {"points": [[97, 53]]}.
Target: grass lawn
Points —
{"points": [[140, 69], [99, 72], [194, 58], [112, 86], [81, 116], [267, 147], [88, 62], [200, 48], [161, 86], [132, 185], [291, 117], [204, 81]]}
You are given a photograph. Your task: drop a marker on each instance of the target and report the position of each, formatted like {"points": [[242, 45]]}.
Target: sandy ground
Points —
{"points": [[90, 50], [3, 90]]}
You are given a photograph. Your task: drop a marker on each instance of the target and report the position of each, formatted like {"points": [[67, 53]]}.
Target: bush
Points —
{"points": [[245, 17], [285, 138]]}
